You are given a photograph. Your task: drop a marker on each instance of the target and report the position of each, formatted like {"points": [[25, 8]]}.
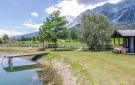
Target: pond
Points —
{"points": [[26, 72]]}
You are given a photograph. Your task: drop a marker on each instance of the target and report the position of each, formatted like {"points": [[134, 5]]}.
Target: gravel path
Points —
{"points": [[62, 70]]}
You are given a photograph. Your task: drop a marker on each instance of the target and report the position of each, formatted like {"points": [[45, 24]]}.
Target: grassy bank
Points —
{"points": [[95, 68], [99, 68]]}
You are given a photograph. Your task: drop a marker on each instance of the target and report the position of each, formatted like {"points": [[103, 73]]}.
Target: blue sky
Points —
{"points": [[25, 16]]}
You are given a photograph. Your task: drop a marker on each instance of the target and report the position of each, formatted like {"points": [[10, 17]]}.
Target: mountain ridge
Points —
{"points": [[120, 14], [25, 35], [123, 12]]}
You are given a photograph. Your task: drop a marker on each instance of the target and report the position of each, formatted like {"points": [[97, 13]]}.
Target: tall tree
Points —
{"points": [[95, 30], [64, 34], [44, 33], [57, 26], [53, 29], [41, 35]]}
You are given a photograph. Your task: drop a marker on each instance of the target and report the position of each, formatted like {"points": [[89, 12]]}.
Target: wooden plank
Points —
{"points": [[28, 54]]}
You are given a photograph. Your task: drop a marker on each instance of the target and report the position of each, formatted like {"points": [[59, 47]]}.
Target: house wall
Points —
{"points": [[132, 45], [129, 44], [126, 44]]}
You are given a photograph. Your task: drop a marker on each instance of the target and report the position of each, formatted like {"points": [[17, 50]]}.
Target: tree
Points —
{"points": [[34, 39], [57, 26], [1, 41], [5, 37], [64, 34], [95, 30], [74, 34], [45, 32], [53, 29], [40, 36], [22, 38]]}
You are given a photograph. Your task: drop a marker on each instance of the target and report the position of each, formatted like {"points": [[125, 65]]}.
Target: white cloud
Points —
{"points": [[34, 14], [67, 8], [71, 8], [51, 9], [31, 24], [75, 7], [10, 32]]}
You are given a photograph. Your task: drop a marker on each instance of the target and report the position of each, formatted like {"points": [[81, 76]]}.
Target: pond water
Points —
{"points": [[24, 72]]}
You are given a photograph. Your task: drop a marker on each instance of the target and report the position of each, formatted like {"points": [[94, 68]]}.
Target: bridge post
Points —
{"points": [[10, 63]]}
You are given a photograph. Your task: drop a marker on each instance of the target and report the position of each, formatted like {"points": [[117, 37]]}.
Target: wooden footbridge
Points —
{"points": [[10, 57], [28, 54]]}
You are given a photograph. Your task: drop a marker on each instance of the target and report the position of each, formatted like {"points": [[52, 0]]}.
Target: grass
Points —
{"points": [[59, 42], [70, 43], [17, 49], [95, 68], [100, 68], [51, 56]]}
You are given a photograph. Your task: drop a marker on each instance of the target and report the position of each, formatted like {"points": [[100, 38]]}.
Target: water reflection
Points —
{"points": [[25, 72], [21, 68]]}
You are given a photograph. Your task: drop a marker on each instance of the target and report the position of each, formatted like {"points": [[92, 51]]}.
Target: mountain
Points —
{"points": [[25, 35], [120, 13], [125, 15]]}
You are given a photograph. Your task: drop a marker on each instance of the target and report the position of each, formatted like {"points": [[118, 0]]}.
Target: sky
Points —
{"points": [[19, 17]]}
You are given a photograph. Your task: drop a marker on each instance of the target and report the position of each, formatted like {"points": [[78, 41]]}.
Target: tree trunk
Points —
{"points": [[55, 46], [43, 44]]}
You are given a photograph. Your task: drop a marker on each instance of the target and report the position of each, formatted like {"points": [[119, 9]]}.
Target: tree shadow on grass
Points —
{"points": [[36, 58]]}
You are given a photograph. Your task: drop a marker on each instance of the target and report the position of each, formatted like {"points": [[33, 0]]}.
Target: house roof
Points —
{"points": [[126, 32]]}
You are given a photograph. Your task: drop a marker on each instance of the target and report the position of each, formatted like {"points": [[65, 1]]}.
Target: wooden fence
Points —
{"points": [[97, 47]]}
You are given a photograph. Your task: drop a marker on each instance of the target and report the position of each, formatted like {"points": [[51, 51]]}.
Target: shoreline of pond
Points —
{"points": [[61, 69]]}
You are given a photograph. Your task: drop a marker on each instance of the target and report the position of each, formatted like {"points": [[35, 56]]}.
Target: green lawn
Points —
{"points": [[100, 68], [70, 43], [60, 42], [17, 49], [95, 68]]}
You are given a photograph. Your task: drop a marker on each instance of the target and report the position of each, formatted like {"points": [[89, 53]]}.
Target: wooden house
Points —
{"points": [[127, 37]]}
